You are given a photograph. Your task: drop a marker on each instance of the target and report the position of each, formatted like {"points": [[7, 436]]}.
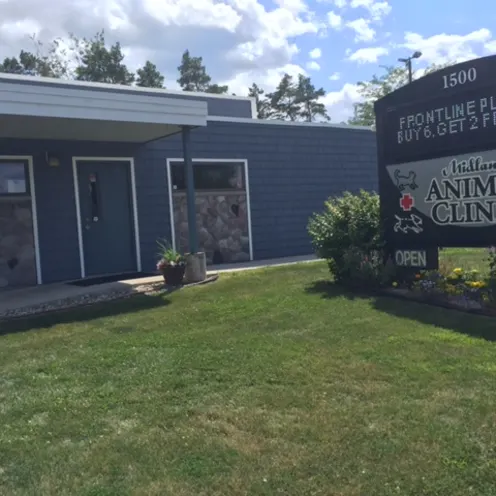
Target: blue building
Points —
{"points": [[91, 175]]}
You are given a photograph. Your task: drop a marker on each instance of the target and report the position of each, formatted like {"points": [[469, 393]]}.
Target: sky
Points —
{"points": [[335, 42]]}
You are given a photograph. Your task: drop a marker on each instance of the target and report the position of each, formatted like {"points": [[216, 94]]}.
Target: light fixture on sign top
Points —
{"points": [[51, 160], [408, 62]]}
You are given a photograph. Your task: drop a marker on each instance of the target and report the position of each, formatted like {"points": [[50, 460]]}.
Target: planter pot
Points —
{"points": [[174, 276]]}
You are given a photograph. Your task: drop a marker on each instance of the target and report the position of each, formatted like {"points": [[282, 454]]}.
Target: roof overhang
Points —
{"points": [[36, 111]]}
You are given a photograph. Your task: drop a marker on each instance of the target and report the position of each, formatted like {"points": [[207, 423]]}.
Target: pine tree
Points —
{"points": [[193, 76], [149, 76], [307, 97], [101, 64]]}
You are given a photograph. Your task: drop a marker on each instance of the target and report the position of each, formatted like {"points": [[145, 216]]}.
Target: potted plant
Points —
{"points": [[171, 264]]}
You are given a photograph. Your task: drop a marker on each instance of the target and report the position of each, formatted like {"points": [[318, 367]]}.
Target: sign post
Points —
{"points": [[436, 147]]}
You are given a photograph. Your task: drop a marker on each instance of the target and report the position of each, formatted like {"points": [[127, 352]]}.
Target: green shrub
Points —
{"points": [[350, 222]]}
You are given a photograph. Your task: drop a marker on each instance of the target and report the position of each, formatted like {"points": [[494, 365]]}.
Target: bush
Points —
{"points": [[348, 230]]}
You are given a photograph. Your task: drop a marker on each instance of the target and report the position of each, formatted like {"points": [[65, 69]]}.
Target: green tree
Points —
{"points": [[264, 110], [283, 100], [99, 63], [149, 76], [217, 88], [193, 76], [40, 62], [307, 97], [379, 86]]}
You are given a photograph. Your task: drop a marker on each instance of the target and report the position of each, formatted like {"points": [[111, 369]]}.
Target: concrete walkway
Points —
{"points": [[42, 295]]}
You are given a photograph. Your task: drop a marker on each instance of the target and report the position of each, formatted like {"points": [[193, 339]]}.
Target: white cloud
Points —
{"points": [[265, 79], [335, 20], [490, 47], [295, 6], [316, 53], [368, 55], [203, 13], [450, 47], [340, 4], [377, 10], [239, 40], [339, 104], [363, 31], [335, 76], [312, 65]]}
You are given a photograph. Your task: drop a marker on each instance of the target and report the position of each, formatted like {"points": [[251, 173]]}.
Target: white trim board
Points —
{"points": [[130, 160], [211, 160], [275, 122], [34, 210], [254, 112]]}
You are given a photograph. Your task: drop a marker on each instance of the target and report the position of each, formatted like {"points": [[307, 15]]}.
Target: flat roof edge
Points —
{"points": [[39, 81], [247, 120]]}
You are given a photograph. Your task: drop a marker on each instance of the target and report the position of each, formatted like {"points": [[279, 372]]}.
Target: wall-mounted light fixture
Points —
{"points": [[52, 160]]}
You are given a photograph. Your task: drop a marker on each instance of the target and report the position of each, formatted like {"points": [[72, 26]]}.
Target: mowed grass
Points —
{"points": [[267, 382], [465, 258]]}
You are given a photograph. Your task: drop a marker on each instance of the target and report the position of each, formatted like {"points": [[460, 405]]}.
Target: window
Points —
{"points": [[210, 176], [13, 178]]}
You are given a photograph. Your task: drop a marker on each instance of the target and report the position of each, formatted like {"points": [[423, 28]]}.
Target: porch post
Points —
{"points": [[190, 190]]}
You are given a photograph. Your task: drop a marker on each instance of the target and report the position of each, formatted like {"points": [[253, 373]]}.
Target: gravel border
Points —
{"points": [[150, 289]]}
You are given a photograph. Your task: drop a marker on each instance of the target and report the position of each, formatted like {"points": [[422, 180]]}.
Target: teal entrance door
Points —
{"points": [[106, 217]]}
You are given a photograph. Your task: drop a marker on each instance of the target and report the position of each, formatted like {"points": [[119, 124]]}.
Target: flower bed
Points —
{"points": [[459, 288]]}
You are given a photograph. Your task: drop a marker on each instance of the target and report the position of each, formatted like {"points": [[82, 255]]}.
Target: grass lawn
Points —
{"points": [[466, 258], [268, 382]]}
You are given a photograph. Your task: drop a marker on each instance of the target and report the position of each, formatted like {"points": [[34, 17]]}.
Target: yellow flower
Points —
{"points": [[458, 271]]}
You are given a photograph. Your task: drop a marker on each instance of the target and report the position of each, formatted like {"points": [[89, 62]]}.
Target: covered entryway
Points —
{"points": [[47, 110]]}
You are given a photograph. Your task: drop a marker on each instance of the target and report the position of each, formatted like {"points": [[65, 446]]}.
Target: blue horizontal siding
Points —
{"points": [[292, 171]]}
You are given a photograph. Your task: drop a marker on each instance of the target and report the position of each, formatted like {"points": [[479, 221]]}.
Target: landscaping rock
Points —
{"points": [[222, 222]]}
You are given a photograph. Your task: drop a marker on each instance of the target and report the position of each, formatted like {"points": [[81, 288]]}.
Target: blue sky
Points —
{"points": [[427, 18], [246, 41]]}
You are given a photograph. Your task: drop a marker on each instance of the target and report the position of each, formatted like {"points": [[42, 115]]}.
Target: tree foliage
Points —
{"points": [[307, 96], [39, 62], [283, 100], [292, 100], [264, 110], [193, 76], [99, 63], [380, 86], [149, 76], [349, 222]]}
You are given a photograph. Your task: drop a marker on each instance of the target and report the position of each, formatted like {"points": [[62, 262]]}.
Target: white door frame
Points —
{"points": [[134, 202], [243, 161], [34, 211]]}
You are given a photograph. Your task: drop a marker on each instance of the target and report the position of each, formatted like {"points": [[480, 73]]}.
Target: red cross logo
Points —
{"points": [[407, 202]]}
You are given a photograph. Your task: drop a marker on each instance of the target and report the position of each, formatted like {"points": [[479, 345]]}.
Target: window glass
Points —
{"points": [[13, 178], [209, 176]]}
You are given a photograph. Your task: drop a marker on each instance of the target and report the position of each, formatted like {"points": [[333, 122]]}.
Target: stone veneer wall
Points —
{"points": [[222, 223], [17, 254]]}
